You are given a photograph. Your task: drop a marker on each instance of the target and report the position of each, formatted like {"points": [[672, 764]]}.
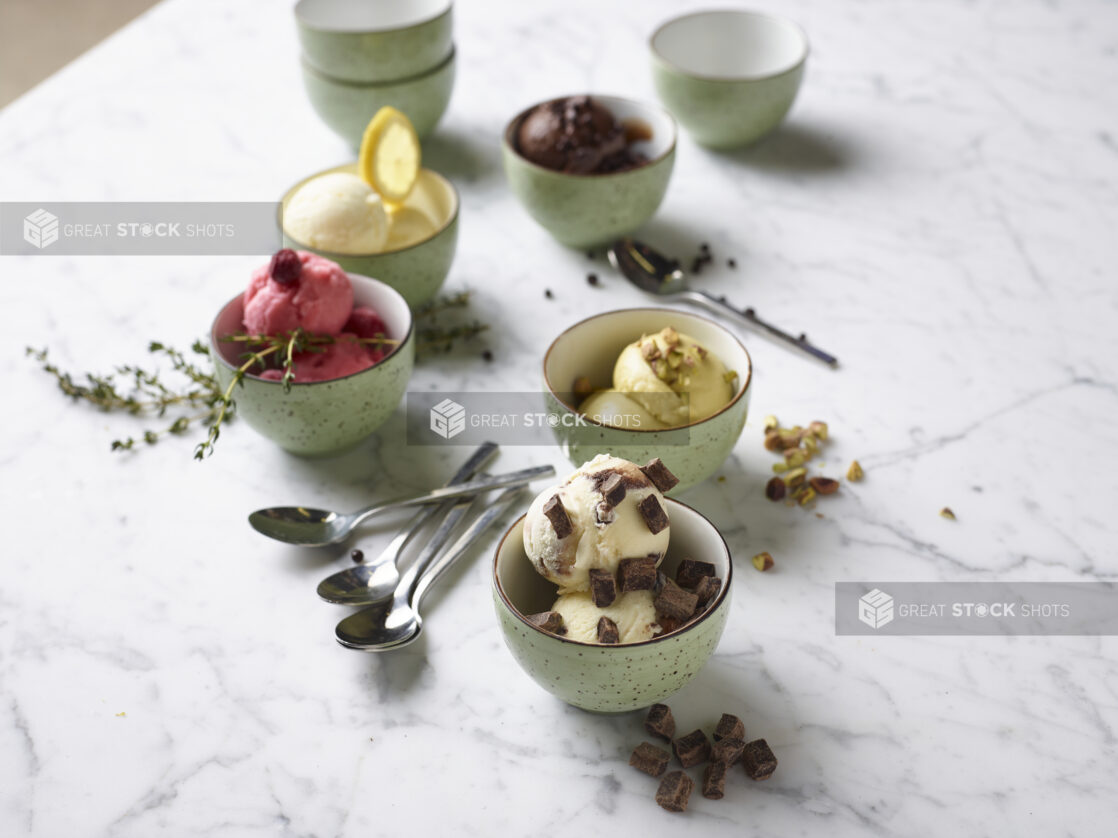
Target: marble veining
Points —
{"points": [[938, 210]]}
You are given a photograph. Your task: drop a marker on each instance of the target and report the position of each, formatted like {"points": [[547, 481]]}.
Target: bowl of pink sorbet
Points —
{"points": [[351, 344]]}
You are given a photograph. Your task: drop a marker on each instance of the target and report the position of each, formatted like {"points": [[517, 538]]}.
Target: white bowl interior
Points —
{"points": [[375, 16], [391, 307], [692, 536], [590, 348], [660, 124], [731, 44]]}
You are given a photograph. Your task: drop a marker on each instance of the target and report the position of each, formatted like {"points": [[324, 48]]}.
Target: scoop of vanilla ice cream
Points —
{"points": [[338, 212], [612, 407], [633, 612], [601, 535], [673, 377]]}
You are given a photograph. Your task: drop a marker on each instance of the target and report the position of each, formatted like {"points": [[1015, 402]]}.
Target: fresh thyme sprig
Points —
{"points": [[199, 397]]}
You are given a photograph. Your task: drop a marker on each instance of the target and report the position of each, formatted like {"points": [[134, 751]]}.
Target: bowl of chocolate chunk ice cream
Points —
{"points": [[590, 168]]}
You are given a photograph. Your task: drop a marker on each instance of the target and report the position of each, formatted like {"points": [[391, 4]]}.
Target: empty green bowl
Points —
{"points": [[346, 107], [729, 77], [611, 679], [318, 418], [590, 210], [375, 42]]}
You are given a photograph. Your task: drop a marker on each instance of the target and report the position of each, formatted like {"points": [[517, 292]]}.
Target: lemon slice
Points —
{"points": [[390, 155]]}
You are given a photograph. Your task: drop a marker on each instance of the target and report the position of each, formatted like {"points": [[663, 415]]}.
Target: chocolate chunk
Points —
{"points": [[650, 759], [560, 520], [659, 722], [690, 572], [758, 759], [550, 621], [668, 624], [603, 513], [659, 475], [714, 780], [675, 791], [636, 574], [613, 490], [727, 750], [729, 727], [607, 631], [673, 601], [654, 516], [707, 589], [603, 590], [692, 748]]}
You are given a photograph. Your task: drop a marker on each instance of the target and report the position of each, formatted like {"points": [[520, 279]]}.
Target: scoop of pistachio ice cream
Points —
{"points": [[337, 212], [574, 528], [673, 377], [633, 612]]}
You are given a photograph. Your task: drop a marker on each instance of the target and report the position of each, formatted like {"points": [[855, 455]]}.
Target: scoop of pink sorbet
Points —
{"points": [[346, 355], [319, 300]]}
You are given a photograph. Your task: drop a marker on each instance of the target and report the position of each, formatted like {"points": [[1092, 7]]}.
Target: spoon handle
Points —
{"points": [[747, 316], [492, 512], [472, 487]]}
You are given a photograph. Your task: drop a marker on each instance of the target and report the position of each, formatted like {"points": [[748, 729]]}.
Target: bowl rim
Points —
{"points": [[660, 57], [302, 21], [312, 70], [507, 143], [714, 605], [217, 357], [335, 255], [741, 392]]}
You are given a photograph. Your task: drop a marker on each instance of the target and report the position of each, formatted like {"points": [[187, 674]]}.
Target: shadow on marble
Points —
{"points": [[680, 238], [397, 673], [796, 148], [461, 156]]}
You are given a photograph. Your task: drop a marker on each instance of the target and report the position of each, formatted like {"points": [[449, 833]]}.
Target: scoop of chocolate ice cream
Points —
{"points": [[574, 135]]}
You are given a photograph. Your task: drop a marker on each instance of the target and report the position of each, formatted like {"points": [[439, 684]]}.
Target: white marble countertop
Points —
{"points": [[939, 211]]}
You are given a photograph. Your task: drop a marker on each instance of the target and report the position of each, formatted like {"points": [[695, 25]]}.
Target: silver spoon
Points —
{"points": [[391, 625], [654, 273], [320, 528], [369, 584]]}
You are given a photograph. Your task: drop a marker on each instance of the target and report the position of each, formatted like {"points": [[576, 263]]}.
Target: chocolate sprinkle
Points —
{"points": [[654, 516], [613, 490], [691, 571], [675, 602], [714, 781], [729, 727], [659, 722], [758, 759], [636, 574], [603, 590], [560, 520], [648, 758], [727, 750], [674, 792], [549, 621], [692, 749], [659, 474], [607, 631]]}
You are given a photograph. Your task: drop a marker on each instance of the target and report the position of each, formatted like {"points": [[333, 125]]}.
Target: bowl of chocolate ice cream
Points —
{"points": [[589, 169], [610, 595]]}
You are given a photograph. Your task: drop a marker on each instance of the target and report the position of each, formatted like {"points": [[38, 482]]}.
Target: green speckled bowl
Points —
{"points": [[611, 679], [346, 107], [417, 270], [377, 41], [590, 210], [590, 348], [729, 77], [322, 417]]}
